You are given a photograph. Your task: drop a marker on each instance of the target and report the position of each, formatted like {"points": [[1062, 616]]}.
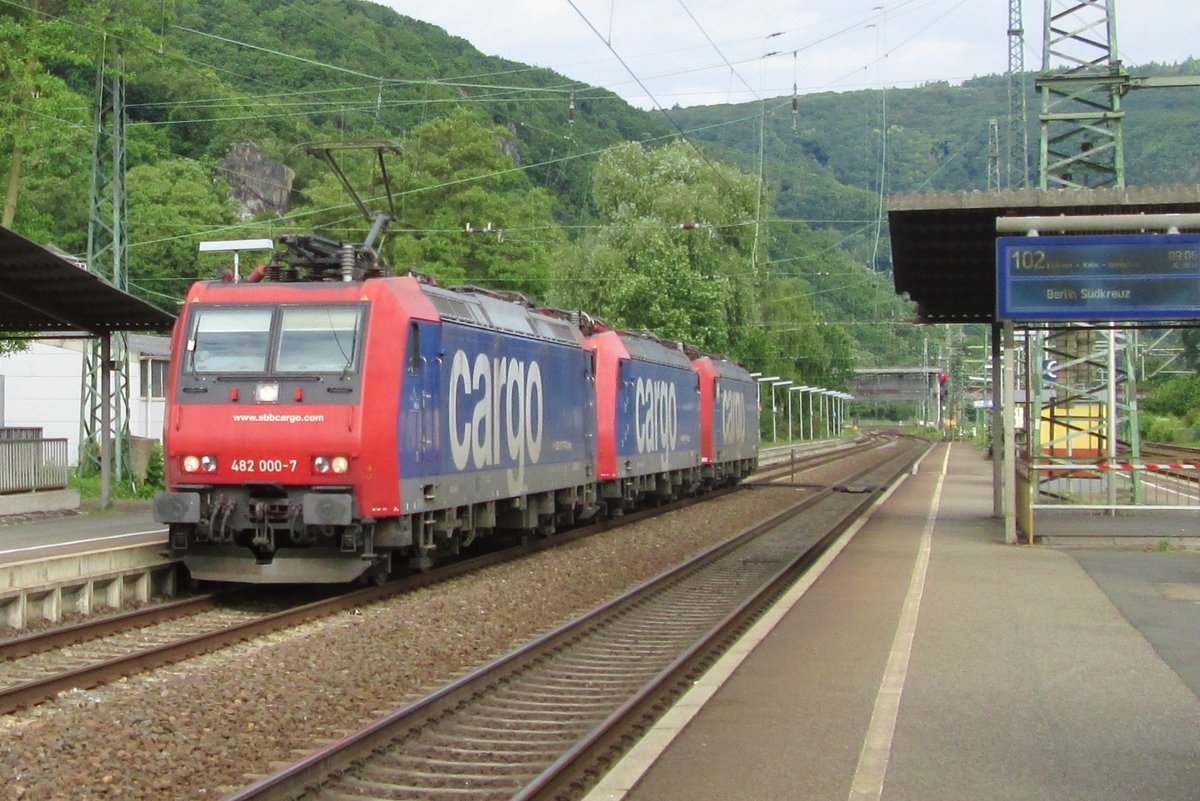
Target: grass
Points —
{"points": [[88, 486]]}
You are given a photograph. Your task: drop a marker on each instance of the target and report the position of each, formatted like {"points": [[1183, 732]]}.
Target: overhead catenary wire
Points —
{"points": [[365, 107]]}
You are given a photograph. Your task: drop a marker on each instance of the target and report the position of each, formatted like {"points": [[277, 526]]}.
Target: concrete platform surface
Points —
{"points": [[931, 661], [25, 537]]}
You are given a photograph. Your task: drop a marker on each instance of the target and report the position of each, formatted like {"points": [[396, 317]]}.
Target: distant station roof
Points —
{"points": [[944, 245], [42, 292], [892, 383]]}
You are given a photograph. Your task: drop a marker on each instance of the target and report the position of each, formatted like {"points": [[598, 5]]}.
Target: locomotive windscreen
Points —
{"points": [[275, 339], [317, 340], [230, 340]]}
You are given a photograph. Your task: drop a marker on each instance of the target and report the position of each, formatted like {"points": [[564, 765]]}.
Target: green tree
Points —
{"points": [[1177, 396], [44, 122], [672, 254], [169, 203], [467, 214]]}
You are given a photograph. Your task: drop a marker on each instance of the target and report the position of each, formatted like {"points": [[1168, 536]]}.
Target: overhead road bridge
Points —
{"points": [[944, 250]]}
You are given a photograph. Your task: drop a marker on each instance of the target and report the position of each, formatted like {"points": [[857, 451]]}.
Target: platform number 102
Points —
{"points": [[1029, 259]]}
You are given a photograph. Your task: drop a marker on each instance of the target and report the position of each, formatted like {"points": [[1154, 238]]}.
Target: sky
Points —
{"points": [[701, 52]]}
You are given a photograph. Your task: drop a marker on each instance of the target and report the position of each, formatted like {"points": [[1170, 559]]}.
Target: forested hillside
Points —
{"points": [[502, 174]]}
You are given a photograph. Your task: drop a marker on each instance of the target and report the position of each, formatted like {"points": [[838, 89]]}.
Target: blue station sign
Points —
{"points": [[1098, 278]]}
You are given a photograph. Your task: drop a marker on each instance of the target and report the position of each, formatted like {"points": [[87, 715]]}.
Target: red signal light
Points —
{"points": [[942, 377]]}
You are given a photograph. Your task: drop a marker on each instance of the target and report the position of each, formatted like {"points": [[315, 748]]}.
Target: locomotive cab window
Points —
{"points": [[322, 339], [229, 340], [412, 354]]}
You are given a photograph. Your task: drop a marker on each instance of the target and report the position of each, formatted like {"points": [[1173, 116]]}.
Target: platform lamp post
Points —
{"points": [[762, 379], [841, 411], [834, 400], [811, 392], [774, 409], [812, 411], [835, 413], [825, 393], [840, 415], [790, 391]]}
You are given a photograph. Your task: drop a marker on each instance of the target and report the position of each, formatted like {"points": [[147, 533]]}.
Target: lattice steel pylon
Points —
{"points": [[106, 256], [993, 153], [1016, 169], [1090, 407], [1081, 83]]}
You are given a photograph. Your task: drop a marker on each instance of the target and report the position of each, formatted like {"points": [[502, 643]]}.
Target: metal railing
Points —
{"points": [[27, 465], [10, 432], [1111, 485]]}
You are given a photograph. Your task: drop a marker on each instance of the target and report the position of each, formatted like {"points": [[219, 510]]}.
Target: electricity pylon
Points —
{"points": [[106, 256]]}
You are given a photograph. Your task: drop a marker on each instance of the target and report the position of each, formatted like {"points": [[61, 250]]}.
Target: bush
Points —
{"points": [[155, 471], [1166, 430], [1178, 396]]}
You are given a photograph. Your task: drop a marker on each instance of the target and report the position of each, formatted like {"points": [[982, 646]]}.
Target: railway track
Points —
{"points": [[1178, 462], [36, 667], [1169, 455], [777, 463], [536, 723]]}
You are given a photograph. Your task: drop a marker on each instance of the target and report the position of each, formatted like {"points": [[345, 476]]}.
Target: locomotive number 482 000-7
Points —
{"points": [[263, 465]]}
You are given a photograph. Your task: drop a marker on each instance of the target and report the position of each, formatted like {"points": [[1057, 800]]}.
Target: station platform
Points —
{"points": [[929, 660], [56, 565], [24, 537]]}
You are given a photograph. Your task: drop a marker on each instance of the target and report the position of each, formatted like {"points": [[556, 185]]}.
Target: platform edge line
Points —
{"points": [[871, 771], [628, 771]]}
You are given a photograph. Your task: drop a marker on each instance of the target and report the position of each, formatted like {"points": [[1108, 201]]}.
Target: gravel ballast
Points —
{"points": [[205, 727]]}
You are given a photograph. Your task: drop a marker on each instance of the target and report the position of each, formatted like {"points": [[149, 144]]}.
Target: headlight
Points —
{"points": [[196, 464], [266, 392], [327, 464]]}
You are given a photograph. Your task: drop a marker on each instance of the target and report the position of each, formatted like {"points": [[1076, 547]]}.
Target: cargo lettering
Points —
{"points": [[656, 415], [732, 406], [503, 399]]}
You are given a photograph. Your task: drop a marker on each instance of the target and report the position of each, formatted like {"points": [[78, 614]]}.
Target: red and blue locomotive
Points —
{"points": [[319, 430]]}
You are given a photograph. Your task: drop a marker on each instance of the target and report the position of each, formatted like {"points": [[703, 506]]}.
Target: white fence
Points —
{"points": [[32, 464]]}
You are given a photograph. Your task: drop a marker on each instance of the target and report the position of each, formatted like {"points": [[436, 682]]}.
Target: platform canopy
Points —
{"points": [[42, 292], [944, 244]]}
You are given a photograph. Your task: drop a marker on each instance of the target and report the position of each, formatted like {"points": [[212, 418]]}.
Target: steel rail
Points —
{"points": [[100, 672], [773, 472], [335, 758], [75, 633], [606, 741]]}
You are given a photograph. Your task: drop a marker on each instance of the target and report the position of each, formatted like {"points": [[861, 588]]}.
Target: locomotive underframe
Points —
{"points": [[319, 535], [298, 535]]}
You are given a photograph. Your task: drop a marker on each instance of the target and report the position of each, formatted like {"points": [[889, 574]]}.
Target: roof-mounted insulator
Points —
{"points": [[347, 261]]}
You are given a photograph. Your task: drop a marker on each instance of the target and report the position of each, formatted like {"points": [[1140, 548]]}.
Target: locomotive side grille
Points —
{"points": [[457, 309]]}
